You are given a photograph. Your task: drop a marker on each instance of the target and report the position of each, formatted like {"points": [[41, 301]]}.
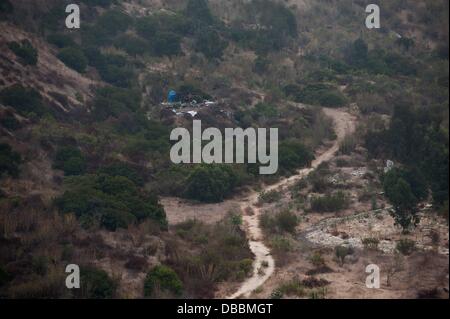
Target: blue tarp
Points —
{"points": [[172, 97]]}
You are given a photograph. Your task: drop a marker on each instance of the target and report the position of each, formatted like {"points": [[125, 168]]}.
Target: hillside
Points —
{"points": [[86, 176]]}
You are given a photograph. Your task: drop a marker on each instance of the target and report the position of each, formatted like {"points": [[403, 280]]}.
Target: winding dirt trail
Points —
{"points": [[344, 123]]}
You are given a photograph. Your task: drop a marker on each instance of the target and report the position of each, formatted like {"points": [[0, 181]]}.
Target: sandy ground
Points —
{"points": [[420, 271], [180, 210], [344, 124]]}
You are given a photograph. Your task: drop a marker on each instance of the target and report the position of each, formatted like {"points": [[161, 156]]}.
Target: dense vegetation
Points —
{"points": [[73, 58], [416, 138], [26, 101], [211, 183], [277, 25], [293, 155], [70, 160], [220, 253], [283, 221], [95, 284], [316, 94], [6, 7], [162, 279], [9, 161], [110, 201], [25, 51], [330, 202]]}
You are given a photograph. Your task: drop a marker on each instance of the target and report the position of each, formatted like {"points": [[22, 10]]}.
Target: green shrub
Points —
{"points": [[279, 26], [216, 253], [287, 221], [198, 10], [319, 293], [284, 221], [95, 284], [60, 40], [267, 222], [269, 197], [67, 252], [5, 277], [235, 218], [317, 260], [162, 32], [146, 27], [113, 22], [265, 110], [211, 183], [9, 161], [317, 94], [371, 243], [406, 246], [74, 58], [330, 203], [111, 201], [37, 287], [40, 264], [348, 145], [261, 65], [313, 282], [113, 102], [293, 155], [121, 76], [296, 189], [132, 45], [210, 43], [25, 51], [166, 44], [6, 7], [70, 160], [333, 99], [186, 91], [25, 101], [343, 251], [276, 294], [281, 245], [10, 122], [123, 169], [357, 53], [292, 288], [74, 166], [246, 266], [162, 278]]}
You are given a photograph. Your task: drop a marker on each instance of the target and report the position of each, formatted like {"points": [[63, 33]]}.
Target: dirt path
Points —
{"points": [[344, 124]]}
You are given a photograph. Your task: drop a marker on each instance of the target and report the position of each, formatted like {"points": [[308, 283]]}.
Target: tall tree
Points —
{"points": [[402, 198]]}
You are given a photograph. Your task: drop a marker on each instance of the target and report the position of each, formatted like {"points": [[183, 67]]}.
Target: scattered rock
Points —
{"points": [[351, 259]]}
